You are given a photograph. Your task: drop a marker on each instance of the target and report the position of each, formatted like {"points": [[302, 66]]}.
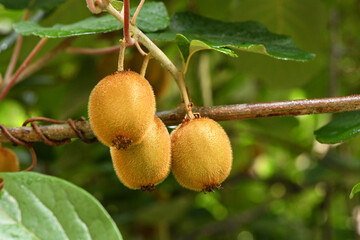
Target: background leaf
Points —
{"points": [[31, 4], [153, 17], [355, 190], [36, 206], [294, 19], [344, 126], [291, 18]]}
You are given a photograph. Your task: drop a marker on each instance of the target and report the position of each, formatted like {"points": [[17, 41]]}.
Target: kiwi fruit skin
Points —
{"points": [[8, 160], [121, 108], [146, 164], [201, 154]]}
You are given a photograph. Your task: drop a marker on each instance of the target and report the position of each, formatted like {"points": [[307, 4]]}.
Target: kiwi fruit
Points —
{"points": [[146, 164], [201, 154], [8, 160], [121, 109]]}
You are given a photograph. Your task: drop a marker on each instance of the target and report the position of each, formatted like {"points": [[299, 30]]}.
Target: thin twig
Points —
{"points": [[22, 68], [92, 51], [138, 47], [45, 59], [133, 20], [10, 39], [16, 52], [218, 113], [13, 60]]}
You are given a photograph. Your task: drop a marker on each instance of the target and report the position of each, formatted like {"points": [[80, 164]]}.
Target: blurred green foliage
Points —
{"points": [[283, 185]]}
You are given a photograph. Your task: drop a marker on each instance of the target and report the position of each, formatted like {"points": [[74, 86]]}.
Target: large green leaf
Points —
{"points": [[199, 33], [246, 36], [153, 17], [345, 126], [30, 4], [36, 206], [90, 25]]}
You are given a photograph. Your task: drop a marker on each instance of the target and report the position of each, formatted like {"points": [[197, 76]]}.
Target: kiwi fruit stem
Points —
{"points": [[185, 95], [145, 64], [121, 55]]}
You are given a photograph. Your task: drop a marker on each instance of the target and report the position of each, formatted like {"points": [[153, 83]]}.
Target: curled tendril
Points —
{"points": [[17, 141], [91, 6]]}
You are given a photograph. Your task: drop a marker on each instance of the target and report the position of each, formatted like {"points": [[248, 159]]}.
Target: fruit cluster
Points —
{"points": [[122, 116]]}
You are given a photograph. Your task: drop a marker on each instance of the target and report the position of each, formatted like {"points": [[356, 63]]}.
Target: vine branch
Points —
{"points": [[218, 113]]}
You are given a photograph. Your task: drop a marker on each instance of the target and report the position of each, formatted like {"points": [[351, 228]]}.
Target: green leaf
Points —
{"points": [[153, 17], [36, 206], [90, 25], [117, 4], [31, 4], [355, 190], [184, 46], [245, 36], [345, 126], [188, 48]]}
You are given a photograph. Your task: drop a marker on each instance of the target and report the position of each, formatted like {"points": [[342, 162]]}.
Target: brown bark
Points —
{"points": [[218, 113]]}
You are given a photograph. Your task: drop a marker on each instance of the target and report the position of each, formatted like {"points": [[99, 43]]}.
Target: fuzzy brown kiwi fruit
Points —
{"points": [[121, 108], [146, 164], [8, 160], [201, 154]]}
